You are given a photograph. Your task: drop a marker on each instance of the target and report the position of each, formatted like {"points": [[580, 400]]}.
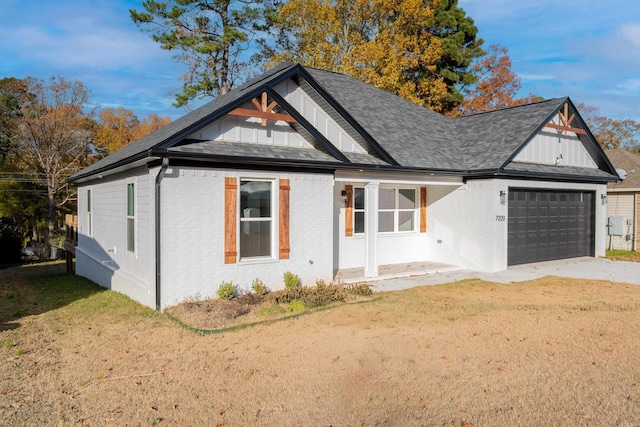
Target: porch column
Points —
{"points": [[371, 229]]}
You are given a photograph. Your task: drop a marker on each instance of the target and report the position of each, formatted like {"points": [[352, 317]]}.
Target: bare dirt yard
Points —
{"points": [[546, 352]]}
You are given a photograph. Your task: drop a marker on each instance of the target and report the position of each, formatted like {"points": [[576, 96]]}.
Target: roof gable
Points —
{"points": [[381, 128]]}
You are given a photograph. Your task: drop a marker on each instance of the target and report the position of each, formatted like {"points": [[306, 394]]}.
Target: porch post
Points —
{"points": [[371, 229]]}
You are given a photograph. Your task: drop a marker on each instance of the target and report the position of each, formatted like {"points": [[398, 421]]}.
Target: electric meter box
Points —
{"points": [[616, 226]]}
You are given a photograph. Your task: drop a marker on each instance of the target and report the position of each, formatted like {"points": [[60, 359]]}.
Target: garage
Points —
{"points": [[545, 225]]}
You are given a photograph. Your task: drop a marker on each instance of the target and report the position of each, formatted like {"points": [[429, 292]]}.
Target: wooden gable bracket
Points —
{"points": [[263, 111], [565, 121]]}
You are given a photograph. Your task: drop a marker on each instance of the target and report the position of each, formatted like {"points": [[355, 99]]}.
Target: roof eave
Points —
{"points": [[132, 162], [542, 176], [313, 164]]}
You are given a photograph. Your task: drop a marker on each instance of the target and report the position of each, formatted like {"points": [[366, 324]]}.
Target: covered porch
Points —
{"points": [[383, 228], [394, 271]]}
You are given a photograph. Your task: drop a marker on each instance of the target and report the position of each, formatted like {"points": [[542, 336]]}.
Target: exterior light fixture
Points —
{"points": [[503, 197], [344, 196], [603, 197]]}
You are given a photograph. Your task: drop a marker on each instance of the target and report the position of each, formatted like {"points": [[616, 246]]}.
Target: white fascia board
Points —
{"points": [[396, 178], [128, 166]]}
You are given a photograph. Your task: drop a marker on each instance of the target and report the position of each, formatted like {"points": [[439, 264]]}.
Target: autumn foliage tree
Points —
{"points": [[611, 133], [119, 127], [53, 137], [381, 42], [498, 84]]}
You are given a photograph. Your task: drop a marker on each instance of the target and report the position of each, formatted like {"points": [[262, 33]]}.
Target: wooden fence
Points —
{"points": [[71, 241]]}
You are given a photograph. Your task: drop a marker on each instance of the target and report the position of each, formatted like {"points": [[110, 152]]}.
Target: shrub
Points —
{"points": [[295, 305], [258, 287], [291, 280], [323, 294], [227, 290], [359, 289], [311, 297], [271, 310]]}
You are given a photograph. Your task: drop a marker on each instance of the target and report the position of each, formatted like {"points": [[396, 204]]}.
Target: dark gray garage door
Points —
{"points": [[545, 225]]}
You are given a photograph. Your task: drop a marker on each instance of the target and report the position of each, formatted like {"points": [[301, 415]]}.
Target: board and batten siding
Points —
{"points": [[250, 130], [320, 119], [623, 205], [553, 147], [193, 232], [103, 256]]}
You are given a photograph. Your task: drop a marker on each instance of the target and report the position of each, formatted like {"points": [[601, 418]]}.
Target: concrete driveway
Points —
{"points": [[578, 268]]}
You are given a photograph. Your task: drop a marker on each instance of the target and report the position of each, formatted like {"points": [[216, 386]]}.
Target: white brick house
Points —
{"points": [[295, 171]]}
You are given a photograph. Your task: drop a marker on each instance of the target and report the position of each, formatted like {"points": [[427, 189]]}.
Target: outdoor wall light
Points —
{"points": [[503, 197], [603, 197], [344, 196]]}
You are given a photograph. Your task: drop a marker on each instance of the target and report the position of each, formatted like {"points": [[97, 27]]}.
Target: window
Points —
{"points": [[397, 210], [89, 223], [131, 219], [358, 210], [255, 218]]}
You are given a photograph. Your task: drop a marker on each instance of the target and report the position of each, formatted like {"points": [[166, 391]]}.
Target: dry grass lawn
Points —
{"points": [[547, 352]]}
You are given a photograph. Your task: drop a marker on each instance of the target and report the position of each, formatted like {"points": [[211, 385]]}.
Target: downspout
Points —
{"points": [[163, 171]]}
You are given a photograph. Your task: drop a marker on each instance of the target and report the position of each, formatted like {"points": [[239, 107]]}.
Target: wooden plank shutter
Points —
{"points": [[284, 219], [348, 211], [230, 218], [423, 209]]}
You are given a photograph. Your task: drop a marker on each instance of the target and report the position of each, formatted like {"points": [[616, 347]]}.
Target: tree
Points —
{"points": [[151, 123], [498, 85], [115, 129], [460, 47], [211, 38], [54, 137], [385, 43], [611, 133], [118, 128], [13, 93]]}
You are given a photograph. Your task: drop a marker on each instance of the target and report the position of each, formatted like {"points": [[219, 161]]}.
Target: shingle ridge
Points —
{"points": [[514, 107]]}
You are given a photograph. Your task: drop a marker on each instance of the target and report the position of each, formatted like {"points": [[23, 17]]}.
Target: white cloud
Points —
{"points": [[631, 33], [534, 76]]}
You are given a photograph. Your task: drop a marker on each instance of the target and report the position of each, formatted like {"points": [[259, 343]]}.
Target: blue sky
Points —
{"points": [[586, 49]]}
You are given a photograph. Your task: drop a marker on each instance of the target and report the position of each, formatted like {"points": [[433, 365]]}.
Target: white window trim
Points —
{"points": [[354, 210], [89, 212], [396, 210], [272, 229], [134, 217]]}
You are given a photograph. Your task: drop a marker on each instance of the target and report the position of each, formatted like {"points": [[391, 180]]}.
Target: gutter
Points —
{"points": [[159, 177]]}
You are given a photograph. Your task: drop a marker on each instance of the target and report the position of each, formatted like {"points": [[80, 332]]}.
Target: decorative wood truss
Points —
{"points": [[565, 121], [263, 111]]}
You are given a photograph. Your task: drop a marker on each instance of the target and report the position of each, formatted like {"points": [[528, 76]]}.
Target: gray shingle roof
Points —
{"points": [[630, 162], [489, 139], [193, 117], [391, 128], [255, 151], [537, 168], [414, 136]]}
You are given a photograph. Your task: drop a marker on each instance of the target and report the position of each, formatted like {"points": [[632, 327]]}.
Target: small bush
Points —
{"points": [[295, 305], [258, 287], [359, 289], [271, 310], [227, 290], [291, 280], [316, 296]]}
